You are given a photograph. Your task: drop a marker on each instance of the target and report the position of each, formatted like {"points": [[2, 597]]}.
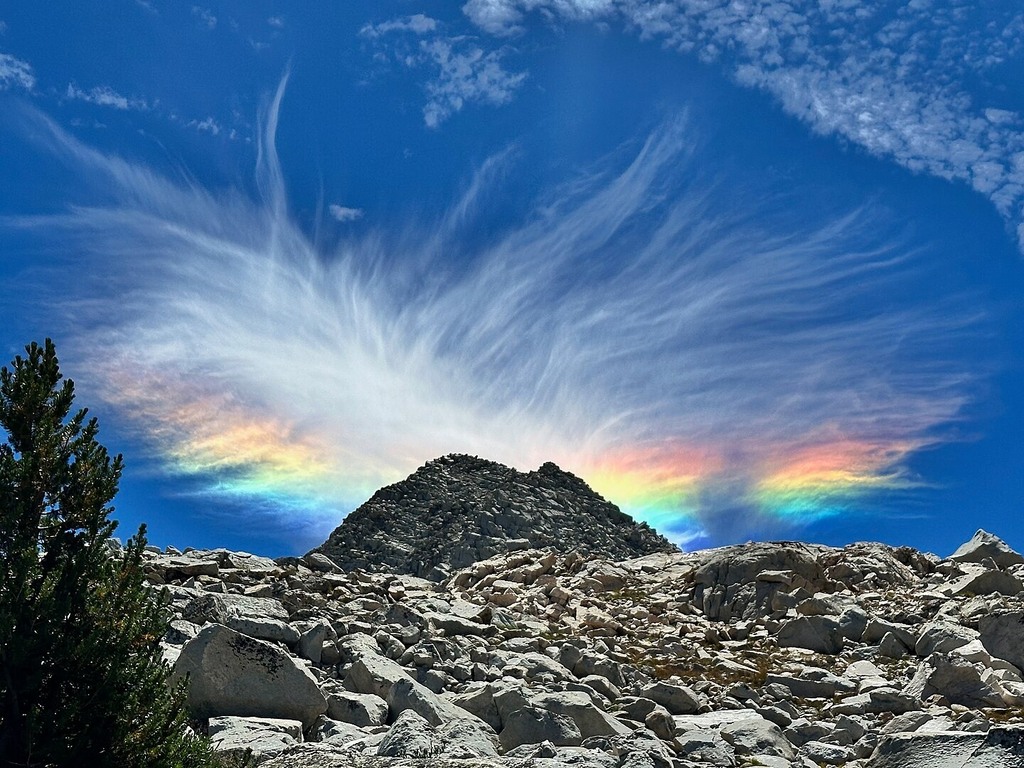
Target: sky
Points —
{"points": [[753, 269]]}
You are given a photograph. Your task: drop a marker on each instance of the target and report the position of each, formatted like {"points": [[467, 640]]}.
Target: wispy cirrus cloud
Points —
{"points": [[460, 70], [718, 373], [893, 78], [15, 73], [105, 96]]}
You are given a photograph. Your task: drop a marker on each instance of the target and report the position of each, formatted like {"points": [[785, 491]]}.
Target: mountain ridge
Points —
{"points": [[458, 509]]}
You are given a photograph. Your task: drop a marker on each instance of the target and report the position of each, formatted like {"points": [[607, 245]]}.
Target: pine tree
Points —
{"points": [[81, 676]]}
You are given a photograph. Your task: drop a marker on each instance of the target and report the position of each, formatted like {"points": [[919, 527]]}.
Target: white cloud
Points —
{"points": [[465, 74], [276, 21], [105, 96], [3, 26], [343, 213], [15, 73], [204, 16], [208, 125], [895, 80], [628, 313], [460, 70], [417, 24]]}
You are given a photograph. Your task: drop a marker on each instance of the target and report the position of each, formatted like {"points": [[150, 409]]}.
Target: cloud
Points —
{"points": [[276, 21], [896, 81], [105, 96], [15, 73], [208, 125], [204, 16], [343, 214], [418, 24], [717, 365], [460, 71], [465, 74]]}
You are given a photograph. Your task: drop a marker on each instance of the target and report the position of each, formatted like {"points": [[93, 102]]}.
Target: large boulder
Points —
{"points": [[232, 674], [756, 736], [739, 581], [955, 678], [1002, 634], [677, 699], [531, 725], [222, 608], [814, 633], [436, 710], [578, 706], [410, 736], [263, 736], [987, 582], [999, 748], [362, 709]]}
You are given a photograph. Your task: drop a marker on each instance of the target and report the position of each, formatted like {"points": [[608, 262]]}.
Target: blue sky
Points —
{"points": [[753, 270]]}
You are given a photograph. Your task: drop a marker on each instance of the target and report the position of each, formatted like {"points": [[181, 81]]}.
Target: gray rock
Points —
{"points": [[531, 725], [821, 753], [311, 643], [877, 701], [232, 674], [852, 623], [264, 736], [813, 683], [677, 699], [318, 561], [262, 628], [480, 702], [878, 628], [942, 637], [728, 585], [660, 723], [451, 625], [705, 747], [999, 748], [987, 582], [757, 736], [892, 647], [362, 709], [577, 705], [986, 546], [410, 736], [602, 685], [335, 731], [1002, 634], [465, 740], [815, 633], [372, 673], [219, 609], [436, 710], [955, 678]]}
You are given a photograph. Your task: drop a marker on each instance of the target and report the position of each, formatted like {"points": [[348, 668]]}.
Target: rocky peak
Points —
{"points": [[459, 509]]}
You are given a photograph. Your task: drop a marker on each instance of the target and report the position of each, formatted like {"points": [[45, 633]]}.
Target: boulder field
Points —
{"points": [[775, 654]]}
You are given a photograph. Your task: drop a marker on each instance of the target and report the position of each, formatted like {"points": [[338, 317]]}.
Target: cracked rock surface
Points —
{"points": [[458, 509]]}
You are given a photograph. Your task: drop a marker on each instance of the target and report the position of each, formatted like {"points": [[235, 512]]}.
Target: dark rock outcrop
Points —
{"points": [[458, 509]]}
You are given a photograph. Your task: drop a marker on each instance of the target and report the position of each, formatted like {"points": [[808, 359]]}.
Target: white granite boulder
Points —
{"points": [[232, 674]]}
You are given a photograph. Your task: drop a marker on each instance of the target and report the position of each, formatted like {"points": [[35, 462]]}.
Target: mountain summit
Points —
{"points": [[459, 509]]}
